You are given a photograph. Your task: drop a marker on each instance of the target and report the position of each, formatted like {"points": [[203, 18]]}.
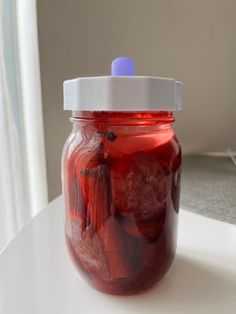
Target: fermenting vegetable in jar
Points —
{"points": [[121, 170]]}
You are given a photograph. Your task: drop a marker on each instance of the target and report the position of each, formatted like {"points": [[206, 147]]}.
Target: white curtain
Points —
{"points": [[23, 185]]}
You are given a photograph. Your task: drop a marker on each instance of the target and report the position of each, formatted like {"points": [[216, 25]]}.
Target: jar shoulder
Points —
{"points": [[170, 153], [72, 143]]}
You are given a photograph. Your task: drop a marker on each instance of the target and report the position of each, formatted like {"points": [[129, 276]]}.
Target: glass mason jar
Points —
{"points": [[121, 184]]}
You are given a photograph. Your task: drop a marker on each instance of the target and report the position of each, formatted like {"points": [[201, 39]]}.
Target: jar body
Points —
{"points": [[121, 185]]}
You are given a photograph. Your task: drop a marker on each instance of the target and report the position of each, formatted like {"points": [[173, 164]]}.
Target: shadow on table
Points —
{"points": [[189, 287]]}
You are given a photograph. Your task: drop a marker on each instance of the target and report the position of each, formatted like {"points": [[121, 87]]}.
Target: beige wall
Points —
{"points": [[192, 41]]}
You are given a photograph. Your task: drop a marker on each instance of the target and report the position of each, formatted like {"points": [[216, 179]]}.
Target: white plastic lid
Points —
{"points": [[122, 91]]}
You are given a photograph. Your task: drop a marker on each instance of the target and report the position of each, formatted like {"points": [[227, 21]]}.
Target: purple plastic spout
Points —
{"points": [[122, 66]]}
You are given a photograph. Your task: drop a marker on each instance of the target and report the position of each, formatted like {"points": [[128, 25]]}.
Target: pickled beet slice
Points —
{"points": [[114, 249], [102, 253], [102, 234], [88, 159], [88, 247], [140, 188], [94, 178], [99, 205]]}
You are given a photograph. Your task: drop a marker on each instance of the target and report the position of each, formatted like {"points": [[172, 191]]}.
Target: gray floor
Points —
{"points": [[209, 187]]}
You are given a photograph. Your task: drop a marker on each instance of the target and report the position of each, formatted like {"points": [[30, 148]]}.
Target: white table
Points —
{"points": [[36, 275]]}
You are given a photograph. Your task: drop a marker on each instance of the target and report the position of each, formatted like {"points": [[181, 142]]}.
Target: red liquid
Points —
{"points": [[121, 188]]}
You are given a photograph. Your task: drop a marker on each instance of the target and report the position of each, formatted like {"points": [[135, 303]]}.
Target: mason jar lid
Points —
{"points": [[122, 91]]}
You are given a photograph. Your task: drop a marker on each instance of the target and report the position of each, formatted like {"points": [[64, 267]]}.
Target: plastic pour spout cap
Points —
{"points": [[122, 66]]}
